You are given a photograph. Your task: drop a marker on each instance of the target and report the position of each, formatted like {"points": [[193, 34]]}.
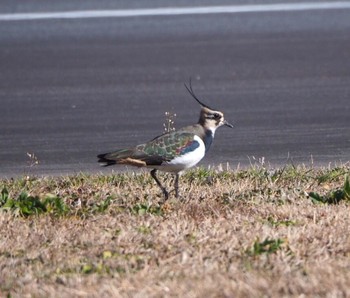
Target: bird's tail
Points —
{"points": [[115, 157]]}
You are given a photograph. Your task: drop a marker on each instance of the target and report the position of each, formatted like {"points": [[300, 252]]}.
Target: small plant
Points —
{"points": [[4, 197], [142, 209], [335, 196], [268, 246], [278, 223], [88, 268], [33, 160], [102, 206], [331, 175], [26, 205], [201, 176], [169, 122], [144, 230], [55, 205]]}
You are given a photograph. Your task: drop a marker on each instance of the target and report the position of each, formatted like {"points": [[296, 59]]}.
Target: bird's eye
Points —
{"points": [[216, 116]]}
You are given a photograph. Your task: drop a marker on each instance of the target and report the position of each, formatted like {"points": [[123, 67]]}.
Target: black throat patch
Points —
{"points": [[208, 139]]}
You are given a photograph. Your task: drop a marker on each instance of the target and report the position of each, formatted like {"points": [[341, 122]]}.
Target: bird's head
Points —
{"points": [[209, 118]]}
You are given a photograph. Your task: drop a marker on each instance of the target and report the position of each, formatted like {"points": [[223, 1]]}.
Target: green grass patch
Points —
{"points": [[267, 246], [334, 196], [142, 209], [26, 205]]}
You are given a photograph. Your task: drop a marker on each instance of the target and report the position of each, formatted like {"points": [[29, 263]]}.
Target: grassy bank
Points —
{"points": [[255, 232]]}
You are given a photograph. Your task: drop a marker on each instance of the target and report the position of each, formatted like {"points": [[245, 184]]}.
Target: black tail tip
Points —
{"points": [[105, 161]]}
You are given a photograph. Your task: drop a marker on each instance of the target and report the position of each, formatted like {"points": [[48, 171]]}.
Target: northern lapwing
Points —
{"points": [[173, 151]]}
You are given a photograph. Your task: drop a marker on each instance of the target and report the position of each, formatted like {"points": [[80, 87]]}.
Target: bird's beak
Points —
{"points": [[228, 124]]}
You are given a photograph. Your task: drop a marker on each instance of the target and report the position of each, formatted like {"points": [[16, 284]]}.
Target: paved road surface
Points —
{"points": [[72, 88]]}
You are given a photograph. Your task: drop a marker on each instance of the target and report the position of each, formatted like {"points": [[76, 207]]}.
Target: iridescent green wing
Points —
{"points": [[166, 147]]}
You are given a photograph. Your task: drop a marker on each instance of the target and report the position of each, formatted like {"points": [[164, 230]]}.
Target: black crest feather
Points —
{"points": [[190, 90]]}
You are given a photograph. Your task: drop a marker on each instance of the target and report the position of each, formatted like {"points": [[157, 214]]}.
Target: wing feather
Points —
{"points": [[161, 149]]}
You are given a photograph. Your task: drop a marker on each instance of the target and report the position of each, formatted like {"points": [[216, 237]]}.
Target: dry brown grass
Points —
{"points": [[201, 246]]}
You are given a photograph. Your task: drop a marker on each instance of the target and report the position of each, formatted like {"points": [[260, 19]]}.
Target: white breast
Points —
{"points": [[185, 161]]}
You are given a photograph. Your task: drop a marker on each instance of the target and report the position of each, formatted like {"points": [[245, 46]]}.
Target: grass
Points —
{"points": [[257, 232]]}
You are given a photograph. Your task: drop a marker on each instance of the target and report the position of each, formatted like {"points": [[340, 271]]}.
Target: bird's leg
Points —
{"points": [[177, 185], [165, 193]]}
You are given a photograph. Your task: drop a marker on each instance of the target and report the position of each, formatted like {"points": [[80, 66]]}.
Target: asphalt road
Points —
{"points": [[73, 88]]}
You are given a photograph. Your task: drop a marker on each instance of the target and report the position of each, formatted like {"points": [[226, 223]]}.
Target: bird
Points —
{"points": [[173, 151]]}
